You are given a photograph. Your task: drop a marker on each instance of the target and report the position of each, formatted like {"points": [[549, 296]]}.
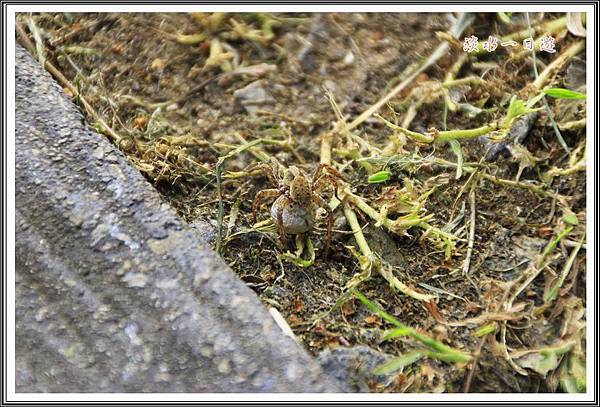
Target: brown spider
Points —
{"points": [[297, 198]]}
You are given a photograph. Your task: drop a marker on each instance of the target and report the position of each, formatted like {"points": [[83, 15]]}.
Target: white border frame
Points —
{"points": [[12, 396]]}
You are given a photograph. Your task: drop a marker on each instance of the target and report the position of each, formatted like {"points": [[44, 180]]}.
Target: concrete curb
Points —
{"points": [[114, 292]]}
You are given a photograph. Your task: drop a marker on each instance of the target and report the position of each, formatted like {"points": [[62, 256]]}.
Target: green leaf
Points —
{"points": [[485, 330], [548, 362], [395, 333], [579, 373], [299, 261], [398, 363], [380, 176], [450, 357], [561, 93], [570, 218], [552, 245], [516, 108], [573, 375]]}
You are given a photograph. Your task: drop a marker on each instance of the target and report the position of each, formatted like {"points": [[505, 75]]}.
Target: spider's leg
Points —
{"points": [[324, 169], [321, 182], [321, 202], [318, 172], [335, 173], [329, 229], [267, 170], [265, 193], [282, 235]]}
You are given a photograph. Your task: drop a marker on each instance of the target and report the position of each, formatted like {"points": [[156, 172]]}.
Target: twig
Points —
{"points": [[39, 43], [556, 64], [474, 364], [398, 224], [573, 125], [467, 262], [218, 174], [450, 77], [538, 266], [515, 313], [541, 79], [411, 113], [507, 356], [530, 274], [469, 80], [504, 182], [357, 231], [462, 22], [67, 84], [78, 29], [442, 136], [326, 141], [256, 151], [553, 292], [386, 273]]}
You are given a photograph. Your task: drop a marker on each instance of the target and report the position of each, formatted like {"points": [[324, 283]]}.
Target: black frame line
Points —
{"points": [[3, 222]]}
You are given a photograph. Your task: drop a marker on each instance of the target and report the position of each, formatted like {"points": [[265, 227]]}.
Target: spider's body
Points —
{"points": [[296, 218], [298, 198]]}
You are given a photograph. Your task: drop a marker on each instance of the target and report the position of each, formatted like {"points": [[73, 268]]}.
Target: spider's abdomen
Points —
{"points": [[296, 218]]}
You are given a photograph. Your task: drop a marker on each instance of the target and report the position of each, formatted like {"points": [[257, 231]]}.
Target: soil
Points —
{"points": [[177, 114]]}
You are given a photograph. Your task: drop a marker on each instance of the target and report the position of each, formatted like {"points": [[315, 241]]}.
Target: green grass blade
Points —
{"points": [[454, 357], [398, 363], [378, 311], [485, 330], [561, 93], [439, 350], [396, 333]]}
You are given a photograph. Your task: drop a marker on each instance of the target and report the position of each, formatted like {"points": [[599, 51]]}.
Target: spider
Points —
{"points": [[297, 198]]}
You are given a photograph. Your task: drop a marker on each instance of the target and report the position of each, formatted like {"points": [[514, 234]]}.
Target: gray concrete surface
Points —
{"points": [[114, 292], [353, 367]]}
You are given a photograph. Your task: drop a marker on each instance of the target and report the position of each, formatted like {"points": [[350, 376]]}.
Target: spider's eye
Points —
{"points": [[321, 213]]}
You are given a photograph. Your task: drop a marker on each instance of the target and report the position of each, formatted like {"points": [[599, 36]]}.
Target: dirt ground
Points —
{"points": [[176, 92]]}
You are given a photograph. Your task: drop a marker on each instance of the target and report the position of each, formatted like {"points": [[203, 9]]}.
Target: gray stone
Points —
{"points": [[114, 293], [517, 134], [253, 96], [575, 77], [353, 367]]}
